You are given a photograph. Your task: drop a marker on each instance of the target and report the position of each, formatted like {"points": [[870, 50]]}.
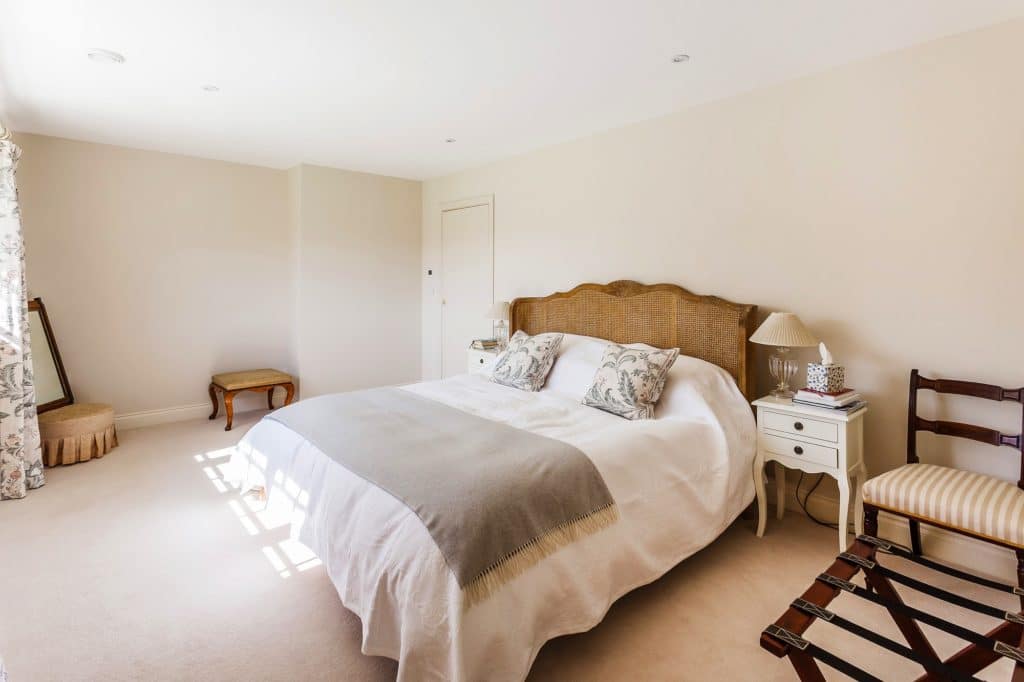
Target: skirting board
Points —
{"points": [[166, 415], [977, 557]]}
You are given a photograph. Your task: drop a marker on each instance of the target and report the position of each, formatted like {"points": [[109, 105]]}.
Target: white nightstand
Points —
{"points": [[814, 440], [480, 360]]}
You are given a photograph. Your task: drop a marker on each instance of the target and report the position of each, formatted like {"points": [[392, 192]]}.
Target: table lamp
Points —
{"points": [[498, 312], [784, 331]]}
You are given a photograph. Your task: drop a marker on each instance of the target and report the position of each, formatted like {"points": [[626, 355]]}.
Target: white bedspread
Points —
{"points": [[678, 480]]}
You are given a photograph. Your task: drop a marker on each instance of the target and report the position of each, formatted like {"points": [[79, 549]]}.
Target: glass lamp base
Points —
{"points": [[782, 370], [501, 334]]}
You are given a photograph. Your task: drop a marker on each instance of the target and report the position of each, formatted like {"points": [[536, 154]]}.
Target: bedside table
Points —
{"points": [[816, 441], [479, 360]]}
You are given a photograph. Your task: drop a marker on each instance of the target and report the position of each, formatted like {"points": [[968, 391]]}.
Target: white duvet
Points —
{"points": [[679, 480]]}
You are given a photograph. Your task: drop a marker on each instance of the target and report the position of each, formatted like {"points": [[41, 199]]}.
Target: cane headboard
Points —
{"points": [[662, 315]]}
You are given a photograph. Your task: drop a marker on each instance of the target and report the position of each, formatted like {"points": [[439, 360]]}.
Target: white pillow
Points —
{"points": [[578, 359], [691, 383]]}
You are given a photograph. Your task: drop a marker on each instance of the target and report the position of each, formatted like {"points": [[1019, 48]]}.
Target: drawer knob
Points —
{"points": [[798, 426], [798, 450], [481, 361]]}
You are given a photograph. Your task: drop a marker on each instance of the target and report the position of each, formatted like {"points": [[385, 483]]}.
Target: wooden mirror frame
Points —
{"points": [[36, 304]]}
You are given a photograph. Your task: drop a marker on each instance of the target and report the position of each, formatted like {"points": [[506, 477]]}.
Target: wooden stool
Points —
{"points": [[260, 380], [77, 433]]}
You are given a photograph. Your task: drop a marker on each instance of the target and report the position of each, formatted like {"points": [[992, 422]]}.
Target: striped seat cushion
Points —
{"points": [[963, 500]]}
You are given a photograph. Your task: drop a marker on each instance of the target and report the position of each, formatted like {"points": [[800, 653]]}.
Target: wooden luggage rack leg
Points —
{"points": [[784, 638]]}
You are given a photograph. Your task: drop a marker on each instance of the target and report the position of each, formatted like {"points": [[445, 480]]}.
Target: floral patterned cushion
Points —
{"points": [[527, 360], [630, 380]]}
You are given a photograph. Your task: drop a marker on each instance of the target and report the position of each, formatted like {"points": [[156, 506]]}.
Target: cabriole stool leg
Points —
{"points": [[213, 399], [229, 408]]}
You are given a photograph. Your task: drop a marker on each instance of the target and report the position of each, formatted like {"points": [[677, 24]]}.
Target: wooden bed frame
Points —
{"points": [[661, 315]]}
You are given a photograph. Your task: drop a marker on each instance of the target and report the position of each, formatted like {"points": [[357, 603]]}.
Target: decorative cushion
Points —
{"points": [[974, 503], [236, 381], [630, 380], [527, 360]]}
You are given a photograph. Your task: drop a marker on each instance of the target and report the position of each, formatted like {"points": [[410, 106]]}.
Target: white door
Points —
{"points": [[467, 282]]}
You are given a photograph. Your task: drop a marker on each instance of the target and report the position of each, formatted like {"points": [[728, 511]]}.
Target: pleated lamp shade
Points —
{"points": [[784, 330], [498, 311]]}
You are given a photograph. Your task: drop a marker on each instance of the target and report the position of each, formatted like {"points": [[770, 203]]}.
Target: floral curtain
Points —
{"points": [[21, 461]]}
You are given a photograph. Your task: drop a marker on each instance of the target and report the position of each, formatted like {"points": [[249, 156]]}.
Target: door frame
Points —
{"points": [[480, 200]]}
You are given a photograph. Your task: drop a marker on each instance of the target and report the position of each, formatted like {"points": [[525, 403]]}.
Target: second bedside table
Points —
{"points": [[479, 360], [816, 441]]}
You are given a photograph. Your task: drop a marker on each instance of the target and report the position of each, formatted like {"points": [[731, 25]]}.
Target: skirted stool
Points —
{"points": [[77, 433]]}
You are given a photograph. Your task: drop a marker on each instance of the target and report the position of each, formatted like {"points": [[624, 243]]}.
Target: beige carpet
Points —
{"points": [[143, 566]]}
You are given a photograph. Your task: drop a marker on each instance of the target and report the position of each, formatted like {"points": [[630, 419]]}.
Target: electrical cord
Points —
{"points": [[803, 502]]}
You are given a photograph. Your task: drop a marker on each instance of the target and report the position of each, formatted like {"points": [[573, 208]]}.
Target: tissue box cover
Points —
{"points": [[825, 378]]}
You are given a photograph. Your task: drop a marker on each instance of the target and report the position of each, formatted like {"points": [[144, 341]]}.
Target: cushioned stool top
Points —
{"points": [[236, 381], [964, 500], [75, 420]]}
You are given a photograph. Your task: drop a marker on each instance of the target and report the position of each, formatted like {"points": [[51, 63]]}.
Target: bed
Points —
{"points": [[678, 481]]}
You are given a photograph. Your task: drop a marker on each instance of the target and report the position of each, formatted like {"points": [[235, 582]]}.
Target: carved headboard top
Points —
{"points": [[662, 315]]}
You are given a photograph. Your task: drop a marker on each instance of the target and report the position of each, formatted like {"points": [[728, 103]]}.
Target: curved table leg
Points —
{"points": [[213, 399], [858, 500], [762, 511], [270, 398], [780, 490], [289, 393], [844, 509]]}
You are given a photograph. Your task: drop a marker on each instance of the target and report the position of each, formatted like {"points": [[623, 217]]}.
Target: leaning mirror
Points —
{"points": [[52, 387]]}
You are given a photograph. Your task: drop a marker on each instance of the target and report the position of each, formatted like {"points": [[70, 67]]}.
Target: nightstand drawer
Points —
{"points": [[818, 454], [801, 426], [479, 361]]}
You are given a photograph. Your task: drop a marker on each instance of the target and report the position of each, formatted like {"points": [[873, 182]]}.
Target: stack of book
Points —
{"points": [[846, 399], [485, 344]]}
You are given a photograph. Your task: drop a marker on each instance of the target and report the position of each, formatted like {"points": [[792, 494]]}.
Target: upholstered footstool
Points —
{"points": [[77, 433], [260, 380]]}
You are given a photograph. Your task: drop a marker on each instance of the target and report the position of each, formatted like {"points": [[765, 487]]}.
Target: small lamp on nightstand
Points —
{"points": [[784, 331], [498, 312]]}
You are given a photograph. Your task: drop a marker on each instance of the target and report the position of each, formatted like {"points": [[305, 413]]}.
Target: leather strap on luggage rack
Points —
{"points": [[1005, 650], [905, 553], [811, 649], [835, 619], [933, 591], [785, 637]]}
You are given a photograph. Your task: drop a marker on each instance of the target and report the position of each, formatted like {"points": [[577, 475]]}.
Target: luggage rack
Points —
{"points": [[784, 638]]}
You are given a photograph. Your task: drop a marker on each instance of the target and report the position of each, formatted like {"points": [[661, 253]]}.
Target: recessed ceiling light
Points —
{"points": [[106, 56], [450, 140], [680, 58], [210, 88]]}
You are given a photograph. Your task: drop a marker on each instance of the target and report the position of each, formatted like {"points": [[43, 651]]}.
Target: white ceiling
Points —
{"points": [[377, 85]]}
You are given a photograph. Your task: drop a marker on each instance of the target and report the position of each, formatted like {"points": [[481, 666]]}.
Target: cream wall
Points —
{"points": [[358, 287], [882, 201], [156, 269]]}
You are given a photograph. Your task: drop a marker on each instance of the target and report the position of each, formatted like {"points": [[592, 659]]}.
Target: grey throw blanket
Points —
{"points": [[495, 499]]}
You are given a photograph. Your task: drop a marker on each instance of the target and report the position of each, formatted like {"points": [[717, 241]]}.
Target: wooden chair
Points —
{"points": [[976, 505]]}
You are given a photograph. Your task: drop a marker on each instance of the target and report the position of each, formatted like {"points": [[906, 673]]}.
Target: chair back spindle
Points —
{"points": [[958, 429]]}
